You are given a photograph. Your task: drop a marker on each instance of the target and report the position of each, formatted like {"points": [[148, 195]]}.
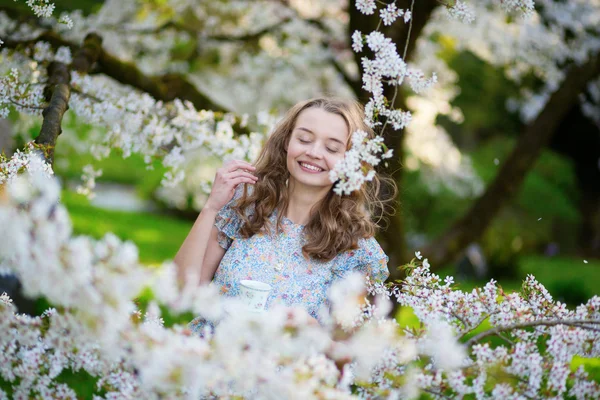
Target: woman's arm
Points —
{"points": [[200, 252], [200, 244]]}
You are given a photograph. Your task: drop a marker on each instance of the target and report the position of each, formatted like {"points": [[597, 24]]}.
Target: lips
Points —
{"points": [[310, 167]]}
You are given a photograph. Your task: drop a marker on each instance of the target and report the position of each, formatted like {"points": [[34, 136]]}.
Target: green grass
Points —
{"points": [[551, 271], [131, 170], [115, 169], [158, 237]]}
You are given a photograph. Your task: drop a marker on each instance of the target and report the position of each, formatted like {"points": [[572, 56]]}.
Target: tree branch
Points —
{"points": [[166, 87], [58, 91], [248, 37], [514, 170], [584, 324], [59, 94]]}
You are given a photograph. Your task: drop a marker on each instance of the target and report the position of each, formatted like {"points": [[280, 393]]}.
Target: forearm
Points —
{"points": [[191, 253]]}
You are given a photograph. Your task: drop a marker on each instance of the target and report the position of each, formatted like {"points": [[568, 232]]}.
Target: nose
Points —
{"points": [[314, 151]]}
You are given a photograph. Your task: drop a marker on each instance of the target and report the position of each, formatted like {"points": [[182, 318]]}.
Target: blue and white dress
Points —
{"points": [[278, 261]]}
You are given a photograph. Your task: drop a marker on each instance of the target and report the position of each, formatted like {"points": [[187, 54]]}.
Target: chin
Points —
{"points": [[312, 182]]}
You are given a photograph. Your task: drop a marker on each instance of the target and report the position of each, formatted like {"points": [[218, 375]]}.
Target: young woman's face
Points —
{"points": [[318, 142]]}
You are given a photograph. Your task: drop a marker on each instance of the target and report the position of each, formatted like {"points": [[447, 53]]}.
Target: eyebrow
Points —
{"points": [[330, 138]]}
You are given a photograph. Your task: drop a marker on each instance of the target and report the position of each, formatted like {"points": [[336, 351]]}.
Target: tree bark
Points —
{"points": [[512, 173], [58, 93]]}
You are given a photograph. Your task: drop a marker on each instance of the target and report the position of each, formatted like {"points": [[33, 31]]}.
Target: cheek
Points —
{"points": [[333, 159], [294, 151]]}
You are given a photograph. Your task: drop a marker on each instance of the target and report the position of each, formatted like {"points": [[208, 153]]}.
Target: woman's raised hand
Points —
{"points": [[231, 174]]}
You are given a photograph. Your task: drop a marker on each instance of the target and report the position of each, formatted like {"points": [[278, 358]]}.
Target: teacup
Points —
{"points": [[254, 294]]}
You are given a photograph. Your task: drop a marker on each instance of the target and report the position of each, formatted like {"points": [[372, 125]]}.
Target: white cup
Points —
{"points": [[254, 294]]}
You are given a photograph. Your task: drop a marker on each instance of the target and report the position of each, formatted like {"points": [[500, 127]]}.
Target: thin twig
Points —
{"points": [[87, 95], [433, 392], [506, 339], [462, 321], [476, 325], [585, 324], [25, 106], [249, 36], [412, 5]]}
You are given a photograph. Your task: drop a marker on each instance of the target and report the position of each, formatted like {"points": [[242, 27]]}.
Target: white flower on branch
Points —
{"points": [[66, 20], [366, 7], [356, 166], [29, 161], [357, 42], [527, 7], [88, 181], [41, 8], [461, 11], [389, 14], [258, 355]]}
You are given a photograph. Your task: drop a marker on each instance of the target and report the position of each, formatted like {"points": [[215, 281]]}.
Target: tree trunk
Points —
{"points": [[512, 173], [578, 138]]}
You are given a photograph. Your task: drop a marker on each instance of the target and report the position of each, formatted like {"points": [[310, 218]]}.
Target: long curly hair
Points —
{"points": [[336, 222]]}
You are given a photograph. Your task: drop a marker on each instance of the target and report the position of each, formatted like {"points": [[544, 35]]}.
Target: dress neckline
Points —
{"points": [[288, 221]]}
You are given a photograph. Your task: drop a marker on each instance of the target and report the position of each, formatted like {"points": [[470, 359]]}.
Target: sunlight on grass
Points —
{"points": [[158, 237], [147, 236]]}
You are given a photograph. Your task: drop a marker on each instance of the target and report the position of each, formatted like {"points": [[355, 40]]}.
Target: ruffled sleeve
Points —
{"points": [[228, 222], [371, 260]]}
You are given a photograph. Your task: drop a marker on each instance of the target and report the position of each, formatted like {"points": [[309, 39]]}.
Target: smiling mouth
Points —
{"points": [[310, 168]]}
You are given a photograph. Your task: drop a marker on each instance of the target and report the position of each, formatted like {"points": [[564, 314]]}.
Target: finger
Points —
{"points": [[239, 173], [239, 164], [241, 179]]}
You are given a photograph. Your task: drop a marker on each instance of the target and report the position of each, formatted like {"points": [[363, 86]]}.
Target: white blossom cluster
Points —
{"points": [[20, 88], [41, 8], [526, 7], [96, 328], [88, 179], [387, 66], [390, 13], [518, 368], [136, 123], [93, 283], [151, 46], [357, 165], [27, 161], [542, 46], [461, 11]]}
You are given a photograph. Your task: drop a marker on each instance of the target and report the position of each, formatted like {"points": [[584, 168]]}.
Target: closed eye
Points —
{"points": [[332, 150]]}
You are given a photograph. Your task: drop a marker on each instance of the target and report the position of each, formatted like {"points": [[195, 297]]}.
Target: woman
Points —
{"points": [[280, 222]]}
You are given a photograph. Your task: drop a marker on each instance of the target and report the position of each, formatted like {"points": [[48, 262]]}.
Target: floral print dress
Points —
{"points": [[278, 260]]}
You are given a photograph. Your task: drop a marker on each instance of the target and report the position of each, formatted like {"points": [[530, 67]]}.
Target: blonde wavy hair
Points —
{"points": [[337, 222]]}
